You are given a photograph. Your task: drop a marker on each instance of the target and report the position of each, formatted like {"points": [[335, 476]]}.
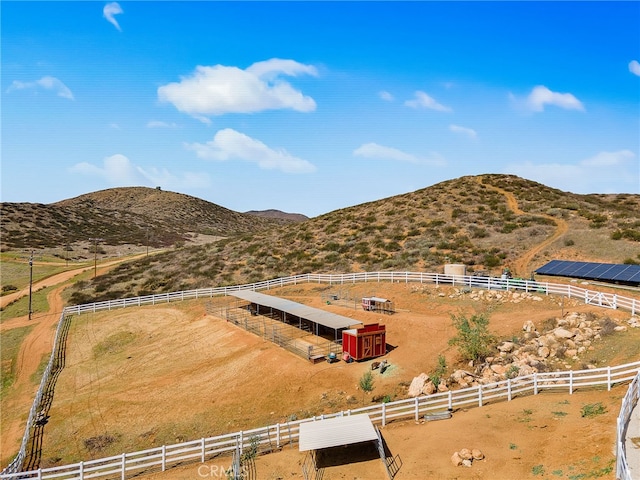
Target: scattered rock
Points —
{"points": [[456, 459], [466, 457], [417, 385], [563, 333], [477, 454]]}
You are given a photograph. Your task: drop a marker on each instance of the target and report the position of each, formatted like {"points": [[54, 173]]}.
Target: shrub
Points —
{"points": [[593, 410], [440, 370], [474, 341]]}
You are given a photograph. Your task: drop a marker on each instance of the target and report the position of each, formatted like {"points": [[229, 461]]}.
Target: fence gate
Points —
{"points": [[600, 299]]}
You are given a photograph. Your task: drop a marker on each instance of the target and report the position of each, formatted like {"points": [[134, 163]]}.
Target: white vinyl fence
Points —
{"points": [[629, 402], [172, 454], [593, 297], [277, 436]]}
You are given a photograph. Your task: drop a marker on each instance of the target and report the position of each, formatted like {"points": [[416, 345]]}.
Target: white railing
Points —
{"points": [[629, 402], [612, 301], [490, 283], [276, 436]]}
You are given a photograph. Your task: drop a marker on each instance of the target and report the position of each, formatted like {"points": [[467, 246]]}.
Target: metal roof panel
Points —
{"points": [[328, 319], [334, 432]]}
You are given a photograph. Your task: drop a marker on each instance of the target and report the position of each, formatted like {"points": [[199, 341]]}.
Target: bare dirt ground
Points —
{"points": [[138, 378]]}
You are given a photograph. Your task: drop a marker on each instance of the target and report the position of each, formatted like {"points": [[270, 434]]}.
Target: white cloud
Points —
{"points": [[541, 96], [422, 100], [591, 175], [160, 124], [609, 159], [48, 83], [386, 96], [380, 152], [221, 89], [228, 144], [117, 170], [111, 9], [634, 67], [471, 133]]}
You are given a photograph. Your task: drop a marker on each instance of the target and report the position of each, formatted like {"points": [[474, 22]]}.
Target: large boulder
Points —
{"points": [[417, 385], [563, 333]]}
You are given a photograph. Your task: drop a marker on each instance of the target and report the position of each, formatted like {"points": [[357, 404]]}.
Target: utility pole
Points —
{"points": [[95, 255], [30, 281]]}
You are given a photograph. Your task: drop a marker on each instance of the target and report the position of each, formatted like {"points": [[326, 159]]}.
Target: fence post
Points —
{"points": [[417, 402], [570, 382], [124, 466], [535, 383], [509, 389], [480, 395], [202, 456], [384, 417], [450, 400], [164, 457], [80, 470], [609, 378], [277, 435]]}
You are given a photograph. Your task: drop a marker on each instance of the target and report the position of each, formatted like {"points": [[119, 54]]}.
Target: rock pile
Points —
{"points": [[466, 457], [567, 340]]}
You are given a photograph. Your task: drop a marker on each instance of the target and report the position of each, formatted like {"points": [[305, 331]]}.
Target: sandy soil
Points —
{"points": [[151, 376], [530, 437]]}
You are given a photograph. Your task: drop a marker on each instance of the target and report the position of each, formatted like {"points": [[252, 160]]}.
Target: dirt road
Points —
{"points": [[522, 264]]}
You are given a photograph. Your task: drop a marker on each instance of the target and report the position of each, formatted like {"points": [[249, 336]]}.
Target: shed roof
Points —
{"points": [[334, 432], [328, 319], [376, 299]]}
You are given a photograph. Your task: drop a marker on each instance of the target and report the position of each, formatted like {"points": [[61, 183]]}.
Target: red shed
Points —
{"points": [[366, 342]]}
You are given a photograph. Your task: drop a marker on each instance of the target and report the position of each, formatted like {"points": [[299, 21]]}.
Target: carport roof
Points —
{"points": [[328, 319], [334, 432]]}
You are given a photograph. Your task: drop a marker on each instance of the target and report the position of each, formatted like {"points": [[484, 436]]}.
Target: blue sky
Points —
{"points": [[309, 107]]}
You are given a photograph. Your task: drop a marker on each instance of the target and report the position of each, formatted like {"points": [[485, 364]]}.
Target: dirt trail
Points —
{"points": [[521, 265], [35, 346]]}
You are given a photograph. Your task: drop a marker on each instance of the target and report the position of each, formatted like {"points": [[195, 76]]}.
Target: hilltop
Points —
{"points": [[486, 222], [123, 216]]}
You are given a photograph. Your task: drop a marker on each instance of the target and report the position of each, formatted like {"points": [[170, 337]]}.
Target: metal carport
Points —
{"points": [[313, 315]]}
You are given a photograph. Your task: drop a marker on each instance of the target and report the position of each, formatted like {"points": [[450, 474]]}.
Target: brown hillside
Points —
{"points": [[120, 216], [486, 222]]}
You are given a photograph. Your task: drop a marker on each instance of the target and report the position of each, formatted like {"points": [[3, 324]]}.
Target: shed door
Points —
{"points": [[367, 347]]}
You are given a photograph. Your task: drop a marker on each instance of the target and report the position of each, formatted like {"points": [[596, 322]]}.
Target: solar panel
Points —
{"points": [[613, 272]]}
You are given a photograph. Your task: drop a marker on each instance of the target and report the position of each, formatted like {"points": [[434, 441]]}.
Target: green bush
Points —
{"points": [[474, 341]]}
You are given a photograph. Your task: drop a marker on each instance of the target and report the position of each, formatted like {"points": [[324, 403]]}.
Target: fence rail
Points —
{"points": [[629, 402], [519, 386], [277, 436], [593, 297]]}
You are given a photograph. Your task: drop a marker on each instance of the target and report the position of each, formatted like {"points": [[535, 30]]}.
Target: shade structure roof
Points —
{"points": [[611, 272], [315, 315], [334, 432], [378, 299]]}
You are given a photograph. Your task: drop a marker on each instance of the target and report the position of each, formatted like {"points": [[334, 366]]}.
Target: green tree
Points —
{"points": [[366, 383], [474, 341]]}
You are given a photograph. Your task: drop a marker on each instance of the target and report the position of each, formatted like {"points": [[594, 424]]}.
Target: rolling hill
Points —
{"points": [[119, 216], [487, 222]]}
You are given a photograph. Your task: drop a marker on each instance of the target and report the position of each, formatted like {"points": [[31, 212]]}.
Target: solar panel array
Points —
{"points": [[609, 272]]}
